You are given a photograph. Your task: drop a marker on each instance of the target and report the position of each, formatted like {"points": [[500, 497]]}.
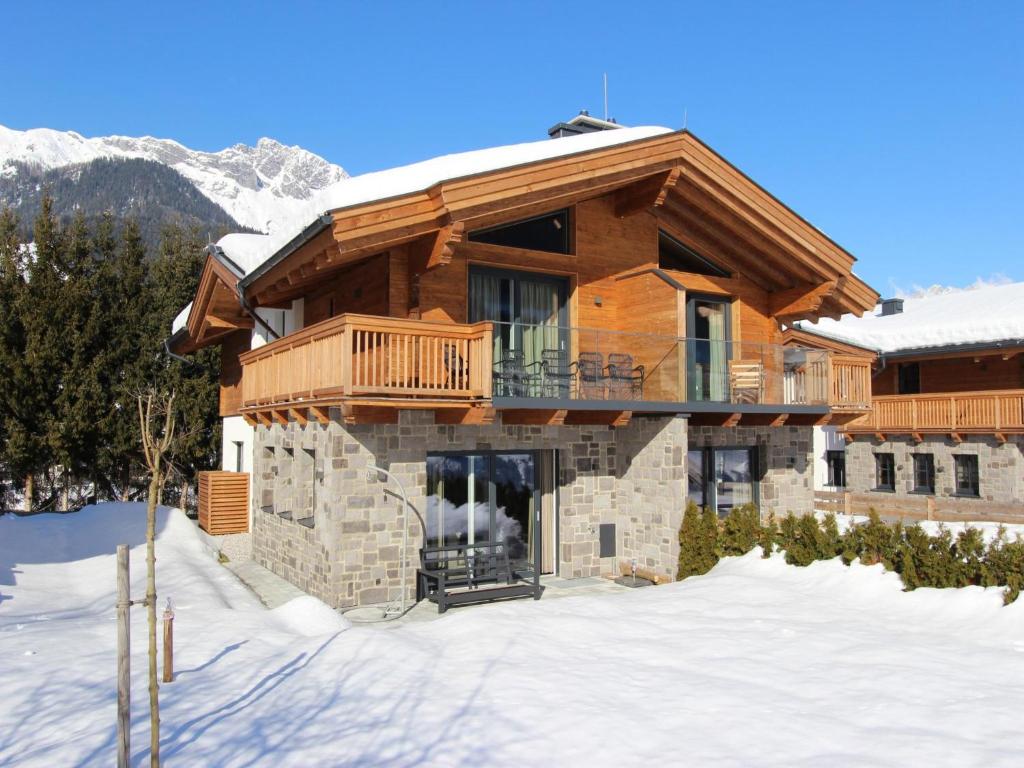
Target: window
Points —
{"points": [[674, 255], [885, 472], [909, 378], [722, 478], [708, 323], [836, 468], [967, 480], [238, 455], [549, 232], [924, 473]]}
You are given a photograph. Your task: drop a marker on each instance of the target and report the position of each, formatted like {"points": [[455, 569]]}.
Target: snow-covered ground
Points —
{"points": [[757, 663]]}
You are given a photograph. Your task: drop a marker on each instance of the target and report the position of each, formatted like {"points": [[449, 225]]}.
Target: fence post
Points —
{"points": [[930, 508], [123, 658], [847, 503], [168, 642]]}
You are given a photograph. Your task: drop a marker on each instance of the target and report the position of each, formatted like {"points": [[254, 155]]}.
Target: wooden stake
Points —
{"points": [[123, 659], [168, 642]]}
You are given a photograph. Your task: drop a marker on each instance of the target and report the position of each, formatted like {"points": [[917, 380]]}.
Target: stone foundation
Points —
{"points": [[1000, 466], [784, 458], [322, 522]]}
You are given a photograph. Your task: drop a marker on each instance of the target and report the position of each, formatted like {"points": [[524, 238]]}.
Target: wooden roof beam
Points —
{"points": [[645, 194], [799, 302], [442, 244]]}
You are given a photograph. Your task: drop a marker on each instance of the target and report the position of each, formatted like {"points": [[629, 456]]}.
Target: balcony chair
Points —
{"points": [[625, 380], [511, 377], [557, 374], [592, 376], [746, 381], [456, 372]]}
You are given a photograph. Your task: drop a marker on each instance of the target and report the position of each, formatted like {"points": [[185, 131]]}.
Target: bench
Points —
{"points": [[458, 574]]}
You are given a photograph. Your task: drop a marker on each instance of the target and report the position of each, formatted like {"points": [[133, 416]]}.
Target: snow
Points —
{"points": [[356, 190], [756, 663], [258, 186], [181, 319], [981, 314]]}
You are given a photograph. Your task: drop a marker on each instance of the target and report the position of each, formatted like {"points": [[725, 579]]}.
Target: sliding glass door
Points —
{"points": [[707, 353], [484, 497], [529, 311]]}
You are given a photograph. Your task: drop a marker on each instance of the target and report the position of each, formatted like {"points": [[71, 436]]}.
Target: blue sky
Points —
{"points": [[895, 127]]}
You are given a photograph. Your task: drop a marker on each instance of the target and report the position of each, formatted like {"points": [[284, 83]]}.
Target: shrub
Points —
{"points": [[696, 543], [767, 536], [740, 531]]}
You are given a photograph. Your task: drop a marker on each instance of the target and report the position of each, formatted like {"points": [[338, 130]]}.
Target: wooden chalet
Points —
{"points": [[555, 299]]}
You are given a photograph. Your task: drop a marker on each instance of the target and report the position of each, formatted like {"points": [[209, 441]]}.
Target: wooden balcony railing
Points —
{"points": [[362, 355], [840, 381], [996, 411]]}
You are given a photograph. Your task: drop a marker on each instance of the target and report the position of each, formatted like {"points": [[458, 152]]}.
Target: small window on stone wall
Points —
{"points": [[924, 473], [305, 482], [885, 472], [967, 477]]}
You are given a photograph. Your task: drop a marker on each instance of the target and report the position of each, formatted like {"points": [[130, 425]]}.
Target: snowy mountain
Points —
{"points": [[257, 186]]}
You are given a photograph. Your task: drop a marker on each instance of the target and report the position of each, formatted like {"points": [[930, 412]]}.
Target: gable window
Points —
{"points": [[967, 479], [549, 232], [885, 472], [672, 254], [836, 468], [924, 473], [909, 375]]}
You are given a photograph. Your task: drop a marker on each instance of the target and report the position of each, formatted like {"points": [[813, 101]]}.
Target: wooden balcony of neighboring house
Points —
{"points": [[997, 413], [370, 367]]}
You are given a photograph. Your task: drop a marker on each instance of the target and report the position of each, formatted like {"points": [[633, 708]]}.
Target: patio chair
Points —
{"points": [[511, 377], [625, 380], [456, 373], [592, 377], [746, 381], [557, 374]]}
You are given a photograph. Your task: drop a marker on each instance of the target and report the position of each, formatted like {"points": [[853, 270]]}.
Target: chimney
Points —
{"points": [[892, 307], [582, 123]]}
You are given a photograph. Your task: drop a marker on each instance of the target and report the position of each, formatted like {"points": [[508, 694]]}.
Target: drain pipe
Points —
{"points": [[173, 356], [253, 314]]}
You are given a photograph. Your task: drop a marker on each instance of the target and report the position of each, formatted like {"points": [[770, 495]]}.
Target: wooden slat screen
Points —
{"points": [[224, 502]]}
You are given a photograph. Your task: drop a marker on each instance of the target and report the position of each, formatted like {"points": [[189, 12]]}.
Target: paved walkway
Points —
{"points": [[273, 591]]}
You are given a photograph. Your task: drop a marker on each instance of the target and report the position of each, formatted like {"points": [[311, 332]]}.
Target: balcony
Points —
{"points": [[996, 412], [360, 361]]}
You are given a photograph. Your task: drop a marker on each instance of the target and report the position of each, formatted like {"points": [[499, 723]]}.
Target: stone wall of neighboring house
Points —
{"points": [[323, 523], [1000, 465], [785, 459]]}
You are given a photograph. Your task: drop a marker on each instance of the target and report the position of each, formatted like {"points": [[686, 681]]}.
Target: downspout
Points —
{"points": [[251, 311], [173, 356]]}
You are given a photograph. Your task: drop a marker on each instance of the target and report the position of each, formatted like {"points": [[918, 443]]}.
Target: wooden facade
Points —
{"points": [[384, 290]]}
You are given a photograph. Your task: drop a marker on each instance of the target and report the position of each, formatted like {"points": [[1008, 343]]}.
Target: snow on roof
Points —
{"points": [[940, 317], [181, 319], [250, 251]]}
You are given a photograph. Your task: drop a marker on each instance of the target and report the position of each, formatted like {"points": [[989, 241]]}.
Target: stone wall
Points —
{"points": [[785, 453], [323, 522], [1000, 465]]}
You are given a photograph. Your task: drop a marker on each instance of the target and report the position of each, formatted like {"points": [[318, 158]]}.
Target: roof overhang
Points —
{"points": [[216, 310]]}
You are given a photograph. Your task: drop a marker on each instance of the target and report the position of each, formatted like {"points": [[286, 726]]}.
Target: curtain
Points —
{"points": [[716, 337], [485, 304], [539, 316]]}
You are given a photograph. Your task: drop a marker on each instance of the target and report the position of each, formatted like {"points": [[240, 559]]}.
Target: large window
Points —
{"points": [[967, 479], [549, 232], [722, 478], [924, 473], [885, 472], [909, 375], [836, 468]]}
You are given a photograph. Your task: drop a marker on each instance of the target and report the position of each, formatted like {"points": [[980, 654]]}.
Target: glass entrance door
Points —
{"points": [[485, 497], [529, 311], [707, 354]]}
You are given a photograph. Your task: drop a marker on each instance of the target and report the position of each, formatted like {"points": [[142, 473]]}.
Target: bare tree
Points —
{"points": [[156, 443]]}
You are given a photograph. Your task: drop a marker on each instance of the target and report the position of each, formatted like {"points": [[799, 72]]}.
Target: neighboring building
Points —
{"points": [[947, 417], [552, 345]]}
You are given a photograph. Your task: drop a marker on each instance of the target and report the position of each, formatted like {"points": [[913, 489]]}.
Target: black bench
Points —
{"points": [[458, 574]]}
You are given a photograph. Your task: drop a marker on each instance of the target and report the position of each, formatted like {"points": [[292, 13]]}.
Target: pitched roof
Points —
{"points": [[988, 314]]}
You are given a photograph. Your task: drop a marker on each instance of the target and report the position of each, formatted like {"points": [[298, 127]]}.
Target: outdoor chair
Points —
{"points": [[511, 377], [592, 377], [746, 381], [557, 374], [625, 380], [456, 372]]}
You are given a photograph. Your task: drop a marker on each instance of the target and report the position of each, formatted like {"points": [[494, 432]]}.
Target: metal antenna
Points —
{"points": [[606, 96], [684, 118]]}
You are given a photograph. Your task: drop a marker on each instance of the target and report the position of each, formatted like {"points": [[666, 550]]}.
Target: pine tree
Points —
{"points": [[12, 344]]}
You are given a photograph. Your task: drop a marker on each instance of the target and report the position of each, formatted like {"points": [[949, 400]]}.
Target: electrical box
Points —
{"points": [[606, 531]]}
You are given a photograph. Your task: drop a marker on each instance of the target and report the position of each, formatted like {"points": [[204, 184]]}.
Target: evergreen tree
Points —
{"points": [[12, 345]]}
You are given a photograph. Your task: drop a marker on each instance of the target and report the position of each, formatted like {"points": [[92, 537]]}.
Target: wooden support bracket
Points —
{"points": [[299, 414], [473, 415], [443, 244], [645, 194], [956, 437], [321, 413], [280, 416], [249, 419]]}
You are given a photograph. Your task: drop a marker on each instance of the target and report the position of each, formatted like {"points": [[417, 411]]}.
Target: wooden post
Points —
{"points": [[930, 507], [847, 503], [168, 642], [123, 658]]}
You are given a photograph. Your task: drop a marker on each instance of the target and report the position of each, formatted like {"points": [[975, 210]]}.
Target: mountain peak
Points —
{"points": [[257, 185]]}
